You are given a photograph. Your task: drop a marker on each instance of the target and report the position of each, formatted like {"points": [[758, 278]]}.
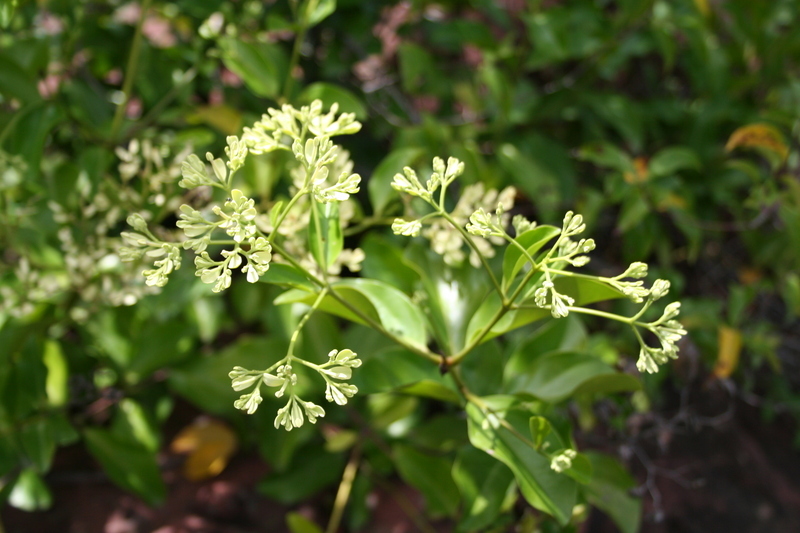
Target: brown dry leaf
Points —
{"points": [[640, 174], [749, 275], [729, 341], [210, 445], [762, 136]]}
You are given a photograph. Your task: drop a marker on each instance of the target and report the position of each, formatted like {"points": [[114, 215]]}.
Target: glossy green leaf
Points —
{"points": [[379, 184], [325, 238], [396, 369], [584, 291], [30, 493], [369, 300], [543, 488], [610, 489], [384, 261], [261, 65], [431, 476], [331, 94], [581, 469], [532, 241], [557, 375], [129, 464], [484, 484], [281, 274]]}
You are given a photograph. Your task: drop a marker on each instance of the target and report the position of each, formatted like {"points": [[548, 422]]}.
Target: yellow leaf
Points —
{"points": [[729, 341], [760, 136], [225, 118], [210, 445], [639, 174]]}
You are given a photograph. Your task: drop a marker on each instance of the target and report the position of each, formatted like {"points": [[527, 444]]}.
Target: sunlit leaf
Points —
{"points": [[760, 136], [729, 342], [542, 487], [210, 445]]}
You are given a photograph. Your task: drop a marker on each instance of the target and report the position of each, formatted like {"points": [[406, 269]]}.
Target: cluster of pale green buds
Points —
{"points": [[559, 303], [256, 263], [239, 224], [340, 367], [277, 125], [443, 175], [668, 332], [563, 461], [485, 225], [335, 371]]}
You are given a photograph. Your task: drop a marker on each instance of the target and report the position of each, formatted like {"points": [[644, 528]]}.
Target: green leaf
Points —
{"points": [[128, 464], [133, 423], [318, 10], [312, 470], [431, 476], [161, 345], [280, 274], [384, 261], [395, 369], [16, 83], [581, 469], [379, 184], [204, 381], [333, 94], [604, 154], [584, 291], [540, 429], [567, 334], [261, 66], [532, 241], [298, 523], [558, 375], [30, 493], [542, 487], [57, 373], [325, 238], [668, 161], [373, 299], [609, 491], [484, 484]]}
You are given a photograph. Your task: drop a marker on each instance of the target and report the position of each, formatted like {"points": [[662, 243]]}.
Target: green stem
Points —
{"points": [[423, 352], [296, 333], [345, 487], [130, 72], [467, 237], [295, 58], [506, 305], [284, 213]]}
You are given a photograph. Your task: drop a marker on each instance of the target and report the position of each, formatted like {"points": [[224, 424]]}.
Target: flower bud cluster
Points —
{"points": [[563, 461], [559, 303]]}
